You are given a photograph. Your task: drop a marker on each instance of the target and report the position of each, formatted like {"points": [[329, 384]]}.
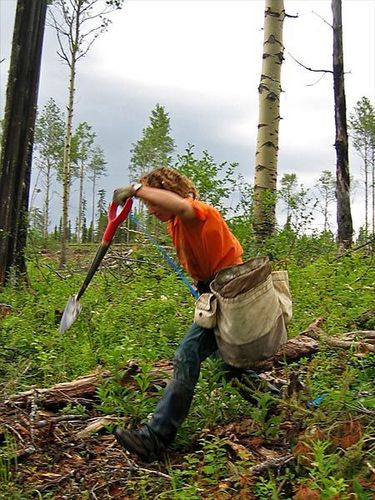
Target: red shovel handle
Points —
{"points": [[115, 220]]}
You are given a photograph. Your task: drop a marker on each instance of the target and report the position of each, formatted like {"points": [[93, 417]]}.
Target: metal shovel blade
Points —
{"points": [[71, 311]]}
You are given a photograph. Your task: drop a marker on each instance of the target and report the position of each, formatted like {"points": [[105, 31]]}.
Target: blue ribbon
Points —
{"points": [[316, 402], [176, 268]]}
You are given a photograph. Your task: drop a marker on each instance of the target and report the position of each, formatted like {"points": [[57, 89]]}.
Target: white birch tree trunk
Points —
{"points": [[264, 202]]}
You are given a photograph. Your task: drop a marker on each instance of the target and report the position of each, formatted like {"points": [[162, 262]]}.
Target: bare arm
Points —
{"points": [[160, 198], [167, 200]]}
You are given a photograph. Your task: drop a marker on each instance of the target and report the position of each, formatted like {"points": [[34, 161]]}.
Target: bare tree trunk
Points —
{"points": [[264, 202], [344, 216], [325, 215], [366, 167], [93, 209], [46, 203], [67, 177], [17, 145], [77, 23], [80, 204]]}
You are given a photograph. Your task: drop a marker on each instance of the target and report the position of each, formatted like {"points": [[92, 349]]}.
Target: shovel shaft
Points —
{"points": [[73, 307], [102, 250], [114, 220]]}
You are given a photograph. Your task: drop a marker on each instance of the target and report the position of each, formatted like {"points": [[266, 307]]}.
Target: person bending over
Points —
{"points": [[204, 245]]}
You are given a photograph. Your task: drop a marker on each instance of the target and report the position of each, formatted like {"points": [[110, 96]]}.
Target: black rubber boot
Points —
{"points": [[143, 443]]}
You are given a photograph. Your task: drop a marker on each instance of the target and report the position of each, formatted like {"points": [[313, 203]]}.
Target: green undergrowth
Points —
{"points": [[140, 312]]}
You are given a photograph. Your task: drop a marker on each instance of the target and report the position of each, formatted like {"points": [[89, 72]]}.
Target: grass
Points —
{"points": [[141, 313]]}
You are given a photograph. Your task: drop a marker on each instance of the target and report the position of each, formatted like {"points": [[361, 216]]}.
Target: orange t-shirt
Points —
{"points": [[204, 245]]}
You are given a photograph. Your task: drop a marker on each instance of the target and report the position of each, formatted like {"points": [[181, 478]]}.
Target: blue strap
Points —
{"points": [[176, 268], [316, 402]]}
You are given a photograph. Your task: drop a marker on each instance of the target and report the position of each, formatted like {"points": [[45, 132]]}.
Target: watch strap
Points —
{"points": [[136, 187]]}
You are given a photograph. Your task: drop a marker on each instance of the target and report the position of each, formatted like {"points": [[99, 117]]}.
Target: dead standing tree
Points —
{"points": [[18, 136], [344, 216], [78, 23]]}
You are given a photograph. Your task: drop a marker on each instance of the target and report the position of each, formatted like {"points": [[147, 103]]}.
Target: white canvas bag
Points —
{"points": [[253, 308]]}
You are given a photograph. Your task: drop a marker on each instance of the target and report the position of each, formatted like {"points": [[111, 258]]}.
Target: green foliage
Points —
{"points": [[216, 184], [205, 467], [155, 147], [266, 488], [118, 400], [299, 211], [215, 399], [326, 191], [362, 128], [322, 472], [49, 139], [8, 456], [141, 312], [74, 409], [82, 142], [262, 415]]}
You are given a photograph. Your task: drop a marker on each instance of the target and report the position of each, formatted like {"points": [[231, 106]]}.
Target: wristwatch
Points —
{"points": [[136, 187]]}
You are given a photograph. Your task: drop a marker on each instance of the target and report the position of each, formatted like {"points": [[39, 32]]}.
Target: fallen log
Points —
{"points": [[86, 386], [66, 391], [304, 345]]}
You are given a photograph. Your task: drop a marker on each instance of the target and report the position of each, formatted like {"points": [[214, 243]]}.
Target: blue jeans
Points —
{"points": [[173, 408]]}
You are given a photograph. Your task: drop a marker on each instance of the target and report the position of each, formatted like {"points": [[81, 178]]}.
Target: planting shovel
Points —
{"points": [[73, 307]]}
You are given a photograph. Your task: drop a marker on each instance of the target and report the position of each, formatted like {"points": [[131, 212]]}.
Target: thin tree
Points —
{"points": [[49, 146], [264, 201], [78, 23], [297, 203], [156, 146], [18, 134], [362, 132], [287, 193], [84, 138], [97, 169], [326, 187], [84, 222], [102, 214], [344, 216]]}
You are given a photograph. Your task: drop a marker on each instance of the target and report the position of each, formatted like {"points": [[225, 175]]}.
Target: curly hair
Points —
{"points": [[171, 180]]}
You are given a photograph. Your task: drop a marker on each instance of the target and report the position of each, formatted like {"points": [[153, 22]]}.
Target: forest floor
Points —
{"points": [[55, 459], [65, 456], [62, 446], [75, 456]]}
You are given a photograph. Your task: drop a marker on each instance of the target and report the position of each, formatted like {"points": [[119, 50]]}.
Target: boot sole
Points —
{"points": [[126, 440]]}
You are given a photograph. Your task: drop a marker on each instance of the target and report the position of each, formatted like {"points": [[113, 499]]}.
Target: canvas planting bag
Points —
{"points": [[254, 307]]}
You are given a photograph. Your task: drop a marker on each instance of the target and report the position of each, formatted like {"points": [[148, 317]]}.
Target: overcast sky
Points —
{"points": [[201, 60]]}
